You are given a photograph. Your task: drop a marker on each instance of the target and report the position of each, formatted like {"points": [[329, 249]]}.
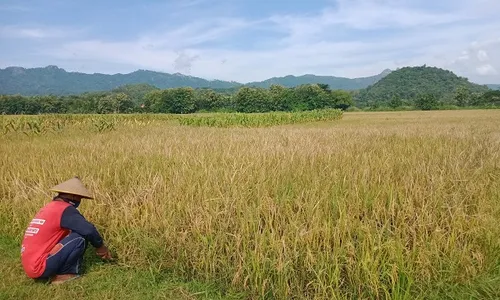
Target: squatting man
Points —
{"points": [[56, 238]]}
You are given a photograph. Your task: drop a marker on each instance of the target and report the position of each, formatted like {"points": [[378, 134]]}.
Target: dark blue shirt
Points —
{"points": [[72, 219]]}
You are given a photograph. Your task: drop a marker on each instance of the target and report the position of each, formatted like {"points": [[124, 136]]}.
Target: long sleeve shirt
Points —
{"points": [[73, 220]]}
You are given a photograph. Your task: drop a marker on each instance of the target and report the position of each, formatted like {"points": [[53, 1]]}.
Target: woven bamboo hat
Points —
{"points": [[73, 186]]}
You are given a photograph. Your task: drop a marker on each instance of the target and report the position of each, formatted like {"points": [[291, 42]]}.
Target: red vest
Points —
{"points": [[42, 234]]}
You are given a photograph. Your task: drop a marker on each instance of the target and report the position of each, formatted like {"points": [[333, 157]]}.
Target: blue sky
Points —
{"points": [[253, 40]]}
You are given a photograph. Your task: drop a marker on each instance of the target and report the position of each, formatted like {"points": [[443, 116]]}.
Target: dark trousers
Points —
{"points": [[68, 259]]}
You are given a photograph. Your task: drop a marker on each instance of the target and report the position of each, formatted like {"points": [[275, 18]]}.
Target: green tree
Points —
{"points": [[153, 101], [123, 103], [115, 103], [85, 103], [16, 105], [426, 102], [476, 99], [11, 104], [491, 98], [310, 97], [49, 104], [135, 92], [395, 101], [282, 98], [325, 87], [341, 99], [209, 100], [174, 101], [462, 96], [181, 100], [106, 105], [250, 100]]}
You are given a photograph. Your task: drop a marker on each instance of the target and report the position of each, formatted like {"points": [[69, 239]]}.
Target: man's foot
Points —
{"points": [[58, 279]]}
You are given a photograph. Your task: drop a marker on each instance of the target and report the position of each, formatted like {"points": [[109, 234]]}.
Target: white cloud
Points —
{"points": [[370, 15], [195, 33], [14, 8], [464, 56], [34, 32], [483, 61], [486, 70], [184, 62], [482, 55]]}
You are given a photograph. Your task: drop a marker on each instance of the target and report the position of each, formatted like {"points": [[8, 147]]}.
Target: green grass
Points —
{"points": [[102, 280]]}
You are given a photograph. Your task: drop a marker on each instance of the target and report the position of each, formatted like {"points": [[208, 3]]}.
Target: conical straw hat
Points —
{"points": [[73, 186]]}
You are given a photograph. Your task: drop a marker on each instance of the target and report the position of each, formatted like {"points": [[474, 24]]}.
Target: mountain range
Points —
{"points": [[57, 81], [341, 83]]}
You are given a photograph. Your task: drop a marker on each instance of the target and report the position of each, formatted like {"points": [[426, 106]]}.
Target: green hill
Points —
{"points": [[341, 83], [57, 81], [411, 82], [54, 80], [494, 86]]}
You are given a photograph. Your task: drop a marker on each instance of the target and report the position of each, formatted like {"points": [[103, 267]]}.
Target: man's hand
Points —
{"points": [[103, 252]]}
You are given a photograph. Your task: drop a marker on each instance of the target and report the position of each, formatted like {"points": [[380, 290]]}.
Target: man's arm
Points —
{"points": [[74, 221]]}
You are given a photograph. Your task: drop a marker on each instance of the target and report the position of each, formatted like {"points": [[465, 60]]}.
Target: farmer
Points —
{"points": [[55, 241]]}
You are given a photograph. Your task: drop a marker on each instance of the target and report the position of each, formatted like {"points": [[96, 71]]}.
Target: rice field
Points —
{"points": [[390, 205]]}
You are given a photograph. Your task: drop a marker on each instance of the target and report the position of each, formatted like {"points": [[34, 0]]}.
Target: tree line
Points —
{"points": [[148, 99], [181, 101], [462, 97]]}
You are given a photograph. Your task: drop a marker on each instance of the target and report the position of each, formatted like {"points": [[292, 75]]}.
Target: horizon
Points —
{"points": [[178, 73], [238, 82], [248, 41]]}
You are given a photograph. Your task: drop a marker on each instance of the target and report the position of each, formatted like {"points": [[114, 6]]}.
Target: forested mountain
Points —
{"points": [[494, 86], [403, 85], [410, 83], [54, 80], [57, 81], [341, 83]]}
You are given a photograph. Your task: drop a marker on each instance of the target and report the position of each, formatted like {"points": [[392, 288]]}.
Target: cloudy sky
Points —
{"points": [[245, 40]]}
